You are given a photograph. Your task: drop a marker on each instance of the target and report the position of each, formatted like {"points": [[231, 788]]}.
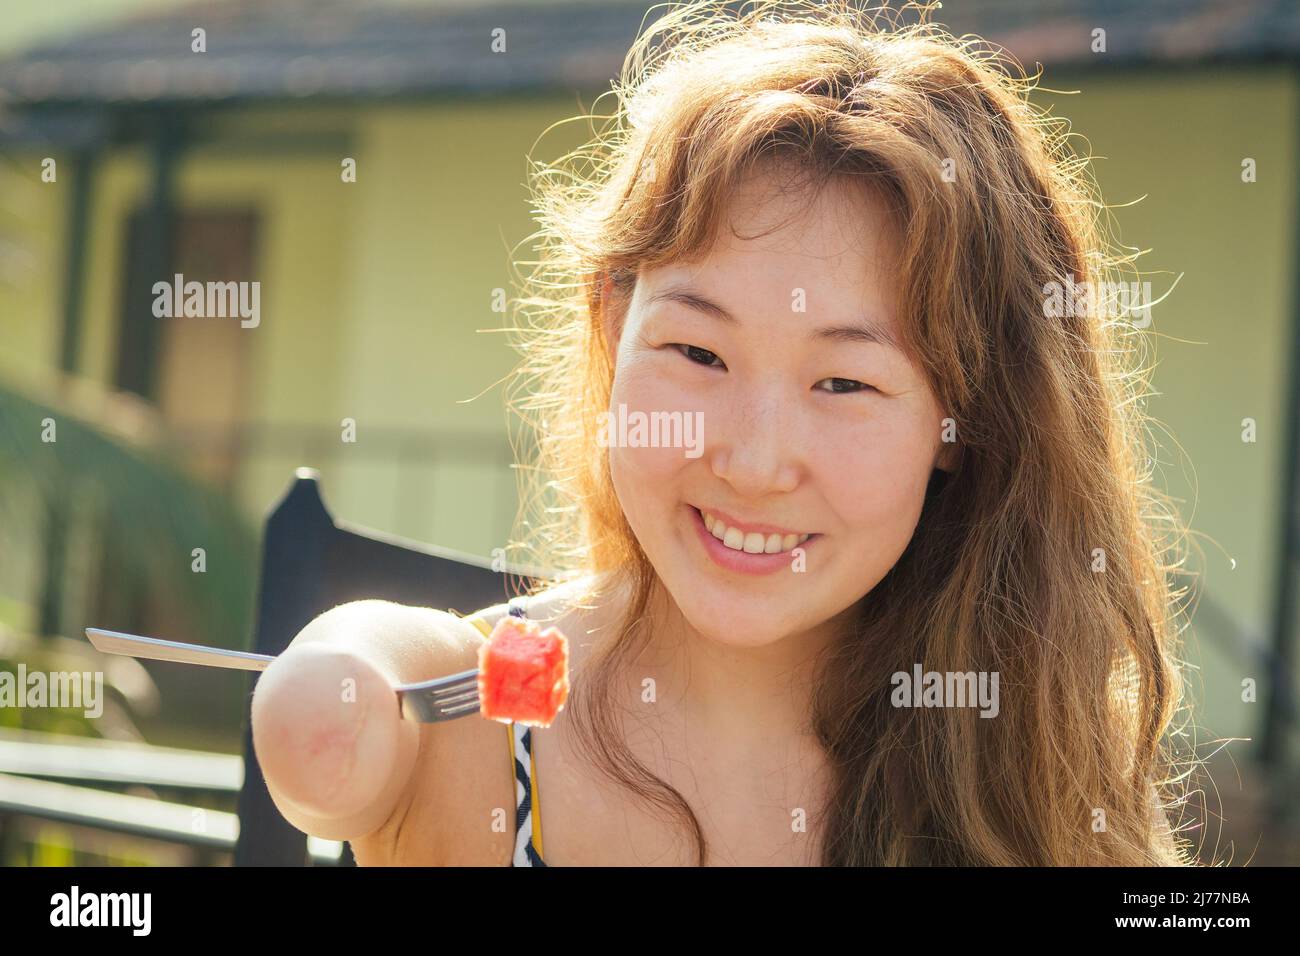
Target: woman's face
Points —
{"points": [[794, 416]]}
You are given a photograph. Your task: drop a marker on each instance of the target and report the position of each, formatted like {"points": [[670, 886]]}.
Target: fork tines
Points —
{"points": [[444, 698]]}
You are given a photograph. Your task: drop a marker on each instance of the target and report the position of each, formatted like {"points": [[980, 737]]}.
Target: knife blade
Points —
{"points": [[153, 648], [443, 698]]}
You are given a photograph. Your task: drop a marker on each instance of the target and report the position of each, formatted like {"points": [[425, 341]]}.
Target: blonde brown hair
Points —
{"points": [[1001, 572]]}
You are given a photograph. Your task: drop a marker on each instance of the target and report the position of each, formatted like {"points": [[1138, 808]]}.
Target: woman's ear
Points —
{"points": [[948, 456]]}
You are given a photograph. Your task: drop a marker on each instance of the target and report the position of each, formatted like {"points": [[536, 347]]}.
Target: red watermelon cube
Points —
{"points": [[523, 673]]}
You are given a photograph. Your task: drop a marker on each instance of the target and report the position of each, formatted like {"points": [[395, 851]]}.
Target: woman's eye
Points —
{"points": [[846, 385], [696, 354], [706, 358]]}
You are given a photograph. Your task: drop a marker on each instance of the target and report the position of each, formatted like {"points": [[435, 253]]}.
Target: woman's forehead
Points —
{"points": [[838, 230], [837, 248]]}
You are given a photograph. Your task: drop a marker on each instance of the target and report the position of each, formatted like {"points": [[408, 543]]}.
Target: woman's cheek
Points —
{"points": [[656, 414], [644, 452], [879, 490], [649, 379]]}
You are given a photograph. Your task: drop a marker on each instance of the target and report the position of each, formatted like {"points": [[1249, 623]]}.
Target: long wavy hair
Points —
{"points": [[1045, 556]]}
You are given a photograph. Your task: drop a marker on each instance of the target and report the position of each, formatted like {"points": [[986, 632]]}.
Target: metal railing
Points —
{"points": [[65, 780]]}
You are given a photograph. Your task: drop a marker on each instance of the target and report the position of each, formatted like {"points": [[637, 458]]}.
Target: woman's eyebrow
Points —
{"points": [[865, 331]]}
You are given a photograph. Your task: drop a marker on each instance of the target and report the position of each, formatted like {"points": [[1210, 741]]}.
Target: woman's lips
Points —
{"points": [[742, 561]]}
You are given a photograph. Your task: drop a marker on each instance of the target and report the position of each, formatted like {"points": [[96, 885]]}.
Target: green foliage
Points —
{"points": [[153, 510]]}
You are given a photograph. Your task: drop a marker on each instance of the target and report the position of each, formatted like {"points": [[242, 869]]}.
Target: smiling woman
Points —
{"points": [[814, 425], [826, 234]]}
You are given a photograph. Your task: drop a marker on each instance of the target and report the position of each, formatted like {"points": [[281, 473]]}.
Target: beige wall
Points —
{"points": [[1176, 141]]}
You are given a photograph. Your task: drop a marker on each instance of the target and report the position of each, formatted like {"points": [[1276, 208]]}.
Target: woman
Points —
{"points": [[830, 242]]}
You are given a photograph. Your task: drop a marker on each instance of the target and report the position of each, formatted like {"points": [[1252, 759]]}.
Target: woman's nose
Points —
{"points": [[755, 449]]}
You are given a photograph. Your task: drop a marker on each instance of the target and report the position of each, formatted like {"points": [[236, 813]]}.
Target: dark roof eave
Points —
{"points": [[335, 50]]}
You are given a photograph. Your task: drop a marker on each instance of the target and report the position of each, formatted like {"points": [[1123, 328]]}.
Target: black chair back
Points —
{"points": [[310, 564]]}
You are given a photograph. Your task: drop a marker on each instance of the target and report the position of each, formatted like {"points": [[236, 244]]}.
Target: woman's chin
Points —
{"points": [[746, 628], [748, 612]]}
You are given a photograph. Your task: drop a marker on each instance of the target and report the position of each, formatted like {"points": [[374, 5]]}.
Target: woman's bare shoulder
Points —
{"points": [[578, 606]]}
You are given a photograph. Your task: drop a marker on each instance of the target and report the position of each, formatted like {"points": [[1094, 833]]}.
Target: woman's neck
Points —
{"points": [[749, 697]]}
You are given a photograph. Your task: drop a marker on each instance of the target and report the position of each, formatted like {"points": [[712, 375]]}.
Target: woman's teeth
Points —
{"points": [[751, 542]]}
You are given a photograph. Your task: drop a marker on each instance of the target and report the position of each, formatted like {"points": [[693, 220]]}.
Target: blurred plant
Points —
{"points": [[111, 448], [129, 691]]}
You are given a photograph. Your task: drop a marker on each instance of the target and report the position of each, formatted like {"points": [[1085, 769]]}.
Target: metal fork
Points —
{"points": [[426, 702]]}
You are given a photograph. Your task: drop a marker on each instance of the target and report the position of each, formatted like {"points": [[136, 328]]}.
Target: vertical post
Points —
{"points": [[55, 541], [74, 274], [1280, 710], [139, 344]]}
